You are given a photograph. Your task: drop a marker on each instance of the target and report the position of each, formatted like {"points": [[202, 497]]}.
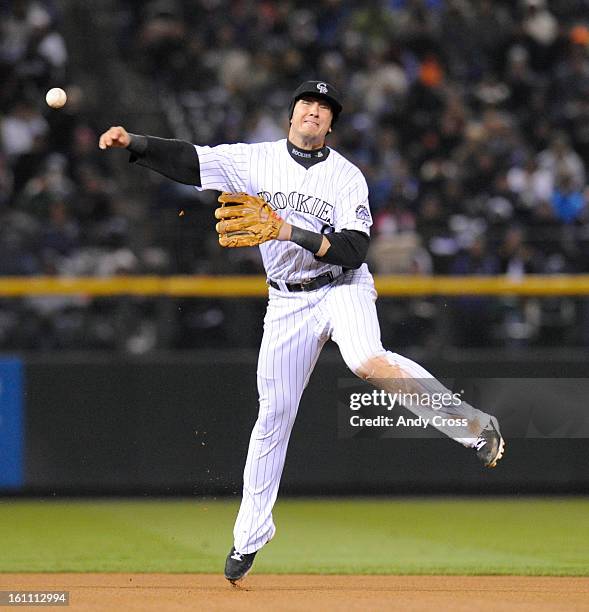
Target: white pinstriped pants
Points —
{"points": [[296, 327]]}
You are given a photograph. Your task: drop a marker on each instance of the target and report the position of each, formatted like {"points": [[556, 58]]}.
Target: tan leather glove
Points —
{"points": [[246, 220]]}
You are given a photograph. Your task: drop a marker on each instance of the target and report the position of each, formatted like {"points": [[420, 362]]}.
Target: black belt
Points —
{"points": [[309, 285]]}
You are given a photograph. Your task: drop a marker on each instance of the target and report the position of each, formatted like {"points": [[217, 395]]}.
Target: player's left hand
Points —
{"points": [[245, 220]]}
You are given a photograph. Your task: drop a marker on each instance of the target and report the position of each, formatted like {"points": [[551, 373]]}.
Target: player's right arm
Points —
{"points": [[175, 159]]}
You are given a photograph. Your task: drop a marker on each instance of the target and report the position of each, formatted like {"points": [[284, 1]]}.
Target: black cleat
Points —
{"points": [[238, 565], [490, 445]]}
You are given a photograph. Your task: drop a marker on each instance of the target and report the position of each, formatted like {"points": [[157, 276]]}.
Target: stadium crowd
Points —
{"points": [[468, 118]]}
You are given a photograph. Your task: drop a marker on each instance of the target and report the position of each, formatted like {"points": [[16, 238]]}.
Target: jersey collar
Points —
{"points": [[307, 158]]}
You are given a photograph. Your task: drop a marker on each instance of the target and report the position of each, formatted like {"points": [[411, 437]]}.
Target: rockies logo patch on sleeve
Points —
{"points": [[363, 214]]}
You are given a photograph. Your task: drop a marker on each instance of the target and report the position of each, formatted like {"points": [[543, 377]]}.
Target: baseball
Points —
{"points": [[56, 97]]}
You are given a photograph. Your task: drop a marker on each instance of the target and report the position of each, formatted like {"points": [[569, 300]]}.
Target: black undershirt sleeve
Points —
{"points": [[348, 247], [175, 159], [307, 239]]}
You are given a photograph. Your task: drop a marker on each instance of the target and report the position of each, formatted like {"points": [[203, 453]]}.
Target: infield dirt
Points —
{"points": [[162, 592]]}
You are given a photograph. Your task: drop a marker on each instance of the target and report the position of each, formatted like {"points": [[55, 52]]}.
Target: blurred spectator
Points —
{"points": [[474, 316], [18, 237], [545, 226], [23, 134], [541, 30], [515, 257], [22, 129], [32, 52], [568, 200], [560, 159], [531, 183], [46, 55], [161, 39], [60, 236]]}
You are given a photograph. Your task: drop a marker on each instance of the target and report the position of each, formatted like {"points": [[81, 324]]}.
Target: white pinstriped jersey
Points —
{"points": [[331, 195]]}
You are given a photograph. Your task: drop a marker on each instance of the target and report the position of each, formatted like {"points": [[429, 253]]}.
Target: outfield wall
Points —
{"points": [[180, 423]]}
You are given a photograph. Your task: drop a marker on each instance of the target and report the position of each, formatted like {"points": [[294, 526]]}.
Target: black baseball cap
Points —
{"points": [[318, 89]]}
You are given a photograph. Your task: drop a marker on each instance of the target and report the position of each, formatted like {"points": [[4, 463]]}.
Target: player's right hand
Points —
{"points": [[114, 137]]}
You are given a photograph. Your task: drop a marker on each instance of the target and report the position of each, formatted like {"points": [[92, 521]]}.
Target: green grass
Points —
{"points": [[383, 536]]}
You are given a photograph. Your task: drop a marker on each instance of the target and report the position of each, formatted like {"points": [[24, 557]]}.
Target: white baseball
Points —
{"points": [[56, 97]]}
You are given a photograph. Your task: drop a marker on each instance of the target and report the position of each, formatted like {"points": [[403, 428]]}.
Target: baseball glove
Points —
{"points": [[245, 220]]}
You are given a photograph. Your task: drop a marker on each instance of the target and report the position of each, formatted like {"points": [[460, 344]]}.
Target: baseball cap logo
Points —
{"points": [[322, 87]]}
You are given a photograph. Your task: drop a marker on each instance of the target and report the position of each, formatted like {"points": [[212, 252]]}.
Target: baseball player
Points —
{"points": [[307, 207]]}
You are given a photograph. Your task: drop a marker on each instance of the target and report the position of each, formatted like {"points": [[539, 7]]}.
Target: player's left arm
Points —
{"points": [[346, 248], [348, 245]]}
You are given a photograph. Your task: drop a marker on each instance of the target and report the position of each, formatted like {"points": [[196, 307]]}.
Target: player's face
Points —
{"points": [[311, 120]]}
